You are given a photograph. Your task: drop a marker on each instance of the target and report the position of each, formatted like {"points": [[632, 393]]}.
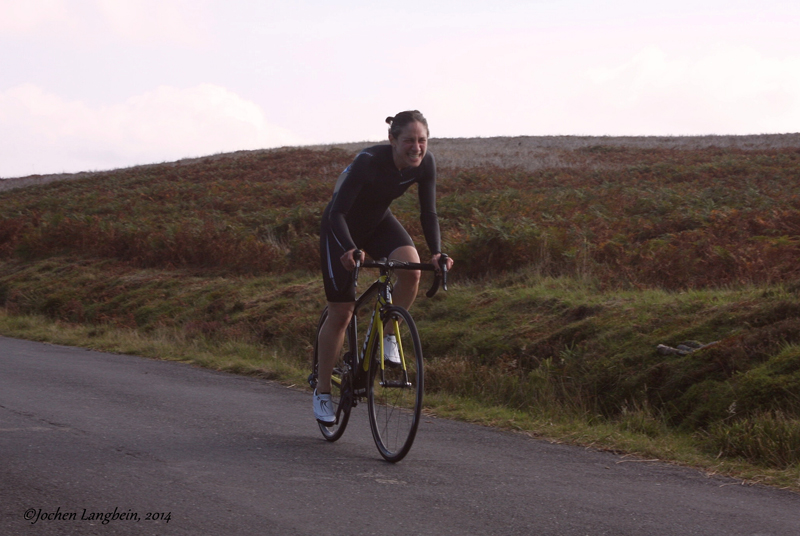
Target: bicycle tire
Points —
{"points": [[395, 406], [341, 390]]}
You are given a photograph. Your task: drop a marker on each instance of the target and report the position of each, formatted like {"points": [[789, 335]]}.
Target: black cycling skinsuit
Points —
{"points": [[358, 216]]}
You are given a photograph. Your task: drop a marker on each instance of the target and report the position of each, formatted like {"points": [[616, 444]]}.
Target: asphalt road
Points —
{"points": [[84, 434]]}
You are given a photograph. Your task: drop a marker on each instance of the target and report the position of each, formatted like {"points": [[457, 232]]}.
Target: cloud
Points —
{"points": [[146, 21], [662, 89], [725, 89], [143, 22], [45, 133], [20, 17]]}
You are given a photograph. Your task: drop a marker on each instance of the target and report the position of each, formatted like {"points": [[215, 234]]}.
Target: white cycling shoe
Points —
{"points": [[391, 353], [323, 409]]}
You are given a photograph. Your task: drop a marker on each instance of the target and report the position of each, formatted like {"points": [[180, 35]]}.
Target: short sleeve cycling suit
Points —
{"points": [[358, 215]]}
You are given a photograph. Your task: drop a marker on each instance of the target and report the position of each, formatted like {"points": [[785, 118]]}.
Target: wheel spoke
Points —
{"points": [[395, 393]]}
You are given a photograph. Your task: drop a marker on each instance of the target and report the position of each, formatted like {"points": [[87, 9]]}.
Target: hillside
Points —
{"points": [[575, 259]]}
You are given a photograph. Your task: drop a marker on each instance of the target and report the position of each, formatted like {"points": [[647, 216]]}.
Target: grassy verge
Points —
{"points": [[555, 358]]}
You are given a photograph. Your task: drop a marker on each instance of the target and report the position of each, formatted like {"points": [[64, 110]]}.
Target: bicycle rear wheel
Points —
{"points": [[341, 389], [394, 394]]}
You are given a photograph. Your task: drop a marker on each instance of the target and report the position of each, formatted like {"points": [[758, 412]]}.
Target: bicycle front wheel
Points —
{"points": [[395, 393], [341, 389]]}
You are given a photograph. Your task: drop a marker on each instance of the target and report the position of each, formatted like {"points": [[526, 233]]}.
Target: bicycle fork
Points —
{"points": [[380, 312], [374, 336]]}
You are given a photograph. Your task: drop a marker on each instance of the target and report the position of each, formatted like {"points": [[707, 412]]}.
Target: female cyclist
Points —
{"points": [[358, 217]]}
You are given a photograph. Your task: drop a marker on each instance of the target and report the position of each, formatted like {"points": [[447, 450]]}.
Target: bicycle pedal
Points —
{"points": [[328, 424]]}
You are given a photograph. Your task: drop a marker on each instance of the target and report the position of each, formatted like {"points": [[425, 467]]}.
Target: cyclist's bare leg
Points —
{"points": [[405, 290], [331, 339]]}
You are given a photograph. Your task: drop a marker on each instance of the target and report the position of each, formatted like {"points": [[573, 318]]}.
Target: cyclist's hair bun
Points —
{"points": [[399, 122]]}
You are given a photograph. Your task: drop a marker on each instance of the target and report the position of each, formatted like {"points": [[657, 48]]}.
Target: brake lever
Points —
{"points": [[440, 278], [357, 257], [443, 267]]}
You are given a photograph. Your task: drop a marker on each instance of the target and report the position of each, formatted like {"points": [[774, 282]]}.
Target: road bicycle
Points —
{"points": [[393, 392]]}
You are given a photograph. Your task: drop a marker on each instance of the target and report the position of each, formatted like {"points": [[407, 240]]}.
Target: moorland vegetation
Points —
{"points": [[637, 294]]}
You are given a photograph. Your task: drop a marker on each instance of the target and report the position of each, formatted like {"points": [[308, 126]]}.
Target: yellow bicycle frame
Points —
{"points": [[376, 335]]}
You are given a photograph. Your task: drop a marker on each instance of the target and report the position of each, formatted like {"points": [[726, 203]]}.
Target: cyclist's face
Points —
{"points": [[409, 148]]}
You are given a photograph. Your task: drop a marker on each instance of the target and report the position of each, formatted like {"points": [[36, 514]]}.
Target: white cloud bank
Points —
{"points": [[20, 17], [41, 132], [721, 88], [153, 21], [144, 22], [734, 88]]}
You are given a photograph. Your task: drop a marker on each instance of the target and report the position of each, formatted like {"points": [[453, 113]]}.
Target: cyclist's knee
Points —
{"points": [[405, 253], [409, 277], [339, 314], [408, 254]]}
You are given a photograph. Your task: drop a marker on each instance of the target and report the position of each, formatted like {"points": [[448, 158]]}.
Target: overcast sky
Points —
{"points": [[103, 84]]}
